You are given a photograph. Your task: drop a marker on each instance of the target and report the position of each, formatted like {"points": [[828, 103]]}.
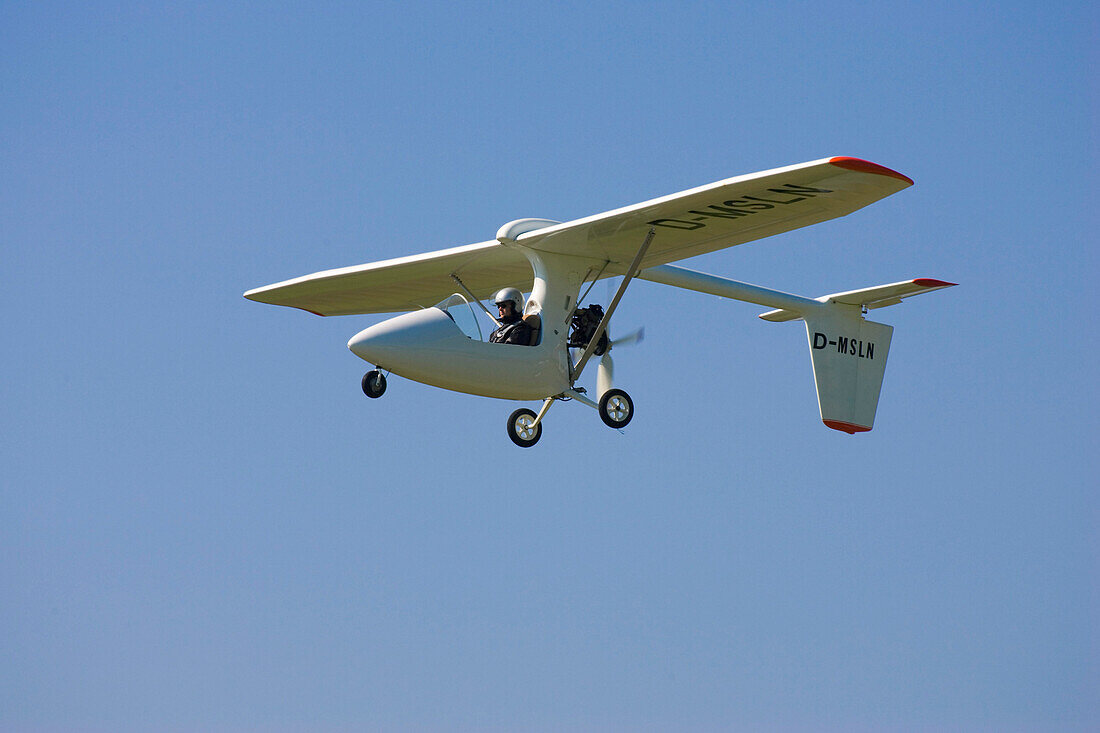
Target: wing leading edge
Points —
{"points": [[689, 223]]}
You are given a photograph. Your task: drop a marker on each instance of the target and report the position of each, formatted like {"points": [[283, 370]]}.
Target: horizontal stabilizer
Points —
{"points": [[879, 296]]}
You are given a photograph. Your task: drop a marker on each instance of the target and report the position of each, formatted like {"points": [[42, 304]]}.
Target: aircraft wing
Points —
{"points": [[689, 223], [402, 284]]}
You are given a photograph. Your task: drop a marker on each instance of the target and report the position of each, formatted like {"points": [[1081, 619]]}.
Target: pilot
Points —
{"points": [[513, 330]]}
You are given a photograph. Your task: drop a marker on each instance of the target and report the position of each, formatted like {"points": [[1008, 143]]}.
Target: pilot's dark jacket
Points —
{"points": [[513, 330]]}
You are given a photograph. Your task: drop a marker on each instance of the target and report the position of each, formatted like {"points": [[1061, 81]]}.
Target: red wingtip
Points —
{"points": [[927, 282], [866, 166], [845, 427]]}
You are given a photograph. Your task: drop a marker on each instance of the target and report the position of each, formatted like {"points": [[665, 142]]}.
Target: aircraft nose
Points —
{"points": [[405, 337], [396, 337], [365, 343]]}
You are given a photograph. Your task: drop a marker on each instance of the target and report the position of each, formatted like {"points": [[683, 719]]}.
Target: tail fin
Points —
{"points": [[849, 358], [848, 353]]}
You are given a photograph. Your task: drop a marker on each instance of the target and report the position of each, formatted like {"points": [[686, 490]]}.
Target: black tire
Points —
{"points": [[519, 428], [616, 408], [374, 384]]}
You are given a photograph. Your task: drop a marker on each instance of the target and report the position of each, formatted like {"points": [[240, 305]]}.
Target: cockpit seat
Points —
{"points": [[534, 320]]}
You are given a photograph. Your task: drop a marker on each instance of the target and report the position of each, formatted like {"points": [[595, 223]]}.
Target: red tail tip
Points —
{"points": [[846, 427]]}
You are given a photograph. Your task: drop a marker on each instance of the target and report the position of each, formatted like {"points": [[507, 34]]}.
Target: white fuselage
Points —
{"points": [[427, 346]]}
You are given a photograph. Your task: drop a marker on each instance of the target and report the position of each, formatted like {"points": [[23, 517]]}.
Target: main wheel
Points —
{"points": [[616, 408], [522, 429], [374, 384]]}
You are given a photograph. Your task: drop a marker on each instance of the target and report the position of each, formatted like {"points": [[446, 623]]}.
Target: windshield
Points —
{"points": [[462, 313]]}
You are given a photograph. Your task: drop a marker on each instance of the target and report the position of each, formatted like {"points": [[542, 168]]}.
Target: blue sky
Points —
{"points": [[207, 526]]}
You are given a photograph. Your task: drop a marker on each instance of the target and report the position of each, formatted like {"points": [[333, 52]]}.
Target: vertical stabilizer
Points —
{"points": [[849, 358], [848, 353]]}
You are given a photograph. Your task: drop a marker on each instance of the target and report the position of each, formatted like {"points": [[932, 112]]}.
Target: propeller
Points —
{"points": [[605, 373]]}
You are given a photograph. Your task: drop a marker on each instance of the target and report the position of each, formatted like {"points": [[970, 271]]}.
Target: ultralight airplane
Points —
{"points": [[427, 344]]}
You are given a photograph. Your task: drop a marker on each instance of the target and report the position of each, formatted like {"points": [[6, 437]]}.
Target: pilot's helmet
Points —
{"points": [[511, 294]]}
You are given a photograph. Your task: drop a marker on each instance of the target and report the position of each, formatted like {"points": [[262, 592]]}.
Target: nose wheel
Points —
{"points": [[374, 384], [522, 428]]}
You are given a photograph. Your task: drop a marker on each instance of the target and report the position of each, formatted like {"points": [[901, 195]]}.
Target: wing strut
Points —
{"points": [[586, 292], [630, 273]]}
